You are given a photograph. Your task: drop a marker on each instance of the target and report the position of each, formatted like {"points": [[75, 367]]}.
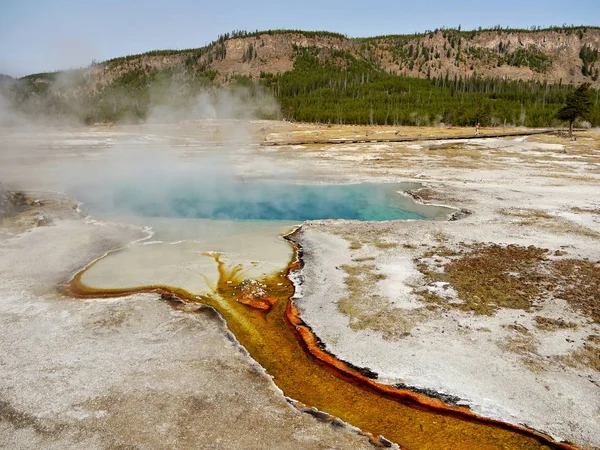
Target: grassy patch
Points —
{"points": [[430, 195], [369, 310], [519, 344], [549, 324], [490, 276], [587, 356], [518, 328], [579, 285], [497, 277], [549, 222], [440, 236], [353, 242], [457, 151], [355, 245], [564, 226], [375, 238], [385, 245], [585, 210], [524, 213], [448, 146]]}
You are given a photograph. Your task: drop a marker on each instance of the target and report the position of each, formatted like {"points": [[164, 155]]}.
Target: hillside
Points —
{"points": [[552, 55], [322, 76]]}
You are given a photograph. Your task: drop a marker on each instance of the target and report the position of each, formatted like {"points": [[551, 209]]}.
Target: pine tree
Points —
{"points": [[578, 105]]}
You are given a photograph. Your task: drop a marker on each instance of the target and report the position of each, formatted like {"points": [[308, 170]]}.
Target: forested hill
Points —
{"points": [[450, 75]]}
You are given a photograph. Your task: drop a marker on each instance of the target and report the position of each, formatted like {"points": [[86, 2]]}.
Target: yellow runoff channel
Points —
{"points": [[266, 323]]}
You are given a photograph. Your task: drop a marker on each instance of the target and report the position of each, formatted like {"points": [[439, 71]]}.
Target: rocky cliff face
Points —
{"points": [[106, 73], [248, 56], [546, 55], [271, 53], [552, 56]]}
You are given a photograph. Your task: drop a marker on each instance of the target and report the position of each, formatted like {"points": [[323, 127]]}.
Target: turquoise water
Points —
{"points": [[265, 201]]}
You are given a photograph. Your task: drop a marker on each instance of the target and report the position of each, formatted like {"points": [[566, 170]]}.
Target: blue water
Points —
{"points": [[263, 201]]}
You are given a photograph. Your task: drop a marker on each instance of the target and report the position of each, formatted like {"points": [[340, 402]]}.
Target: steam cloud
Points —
{"points": [[197, 158], [204, 149]]}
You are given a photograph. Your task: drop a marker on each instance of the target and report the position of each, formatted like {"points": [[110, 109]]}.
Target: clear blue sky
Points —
{"points": [[45, 35]]}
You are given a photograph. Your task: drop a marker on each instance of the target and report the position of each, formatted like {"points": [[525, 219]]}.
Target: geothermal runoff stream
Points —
{"points": [[235, 251]]}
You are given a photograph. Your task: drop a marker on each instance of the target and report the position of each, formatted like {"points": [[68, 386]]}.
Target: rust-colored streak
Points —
{"points": [[278, 339], [342, 370]]}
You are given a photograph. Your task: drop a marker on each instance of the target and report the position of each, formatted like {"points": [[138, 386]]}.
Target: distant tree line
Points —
{"points": [[344, 89], [580, 30]]}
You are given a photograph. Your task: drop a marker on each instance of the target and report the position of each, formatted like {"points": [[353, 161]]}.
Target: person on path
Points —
{"points": [[477, 129]]}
